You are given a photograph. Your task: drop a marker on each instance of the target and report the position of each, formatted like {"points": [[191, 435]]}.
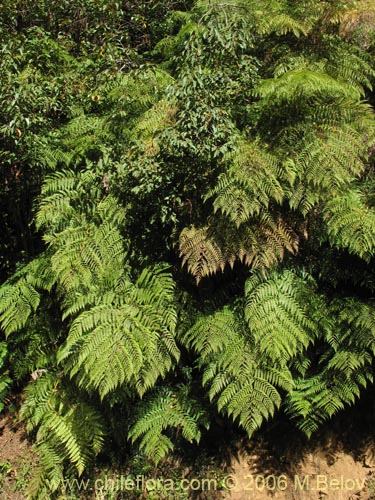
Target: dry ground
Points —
{"points": [[327, 471], [15, 459], [335, 466]]}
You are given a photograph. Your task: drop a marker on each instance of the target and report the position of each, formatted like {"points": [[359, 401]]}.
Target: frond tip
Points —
{"points": [[238, 379], [20, 296], [201, 253], [130, 342], [277, 313], [351, 223], [167, 409]]}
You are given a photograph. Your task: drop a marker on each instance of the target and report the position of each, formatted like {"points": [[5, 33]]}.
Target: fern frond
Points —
{"points": [[350, 65], [19, 296], [318, 398], [252, 181], [134, 94], [154, 120], [297, 84], [218, 328], [325, 163], [342, 62], [48, 475], [85, 255], [233, 368], [4, 378], [351, 223], [360, 317], [281, 24], [202, 254], [131, 343], [17, 303], [245, 361], [346, 367], [260, 245], [291, 62], [67, 430], [62, 194], [164, 410], [277, 312]]}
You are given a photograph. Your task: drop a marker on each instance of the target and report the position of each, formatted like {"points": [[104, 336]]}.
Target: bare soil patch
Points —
{"points": [[329, 467], [15, 459], [337, 464]]}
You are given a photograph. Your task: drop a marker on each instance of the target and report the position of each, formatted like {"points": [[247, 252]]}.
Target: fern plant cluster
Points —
{"points": [[199, 230]]}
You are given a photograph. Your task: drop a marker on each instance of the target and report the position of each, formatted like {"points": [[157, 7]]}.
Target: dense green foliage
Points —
{"points": [[188, 220]]}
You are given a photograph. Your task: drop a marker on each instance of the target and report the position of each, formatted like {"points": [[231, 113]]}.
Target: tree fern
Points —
{"points": [[67, 196], [360, 316], [203, 255], [342, 62], [154, 120], [120, 330], [351, 65], [136, 99], [319, 397], [48, 474], [242, 138], [246, 362], [86, 255]]}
